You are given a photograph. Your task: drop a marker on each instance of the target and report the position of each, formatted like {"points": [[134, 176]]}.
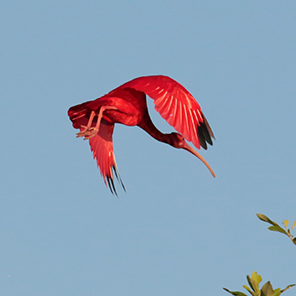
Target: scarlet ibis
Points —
{"points": [[127, 105]]}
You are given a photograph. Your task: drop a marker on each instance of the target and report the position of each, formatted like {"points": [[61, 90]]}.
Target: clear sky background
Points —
{"points": [[177, 230]]}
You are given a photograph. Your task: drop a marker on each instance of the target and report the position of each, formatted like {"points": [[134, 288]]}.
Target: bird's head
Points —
{"points": [[177, 140]]}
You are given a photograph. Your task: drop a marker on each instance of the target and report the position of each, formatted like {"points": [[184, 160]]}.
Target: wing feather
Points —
{"points": [[191, 125], [169, 103], [171, 111], [102, 147], [176, 105], [185, 124], [160, 101], [176, 117]]}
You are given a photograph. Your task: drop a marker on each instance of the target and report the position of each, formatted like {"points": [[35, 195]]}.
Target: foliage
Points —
{"points": [[255, 279], [266, 290], [276, 227]]}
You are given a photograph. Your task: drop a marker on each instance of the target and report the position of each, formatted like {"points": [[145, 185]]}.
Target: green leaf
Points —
{"points": [[252, 285], [293, 226], [235, 293], [288, 287], [249, 290], [257, 279], [277, 228], [266, 219], [286, 223], [277, 292], [267, 290], [254, 282]]}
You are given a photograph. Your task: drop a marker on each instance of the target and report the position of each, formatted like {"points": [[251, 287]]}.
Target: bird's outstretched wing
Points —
{"points": [[177, 106], [101, 144], [102, 147]]}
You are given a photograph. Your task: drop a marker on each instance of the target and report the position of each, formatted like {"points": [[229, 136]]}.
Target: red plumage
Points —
{"points": [[127, 105]]}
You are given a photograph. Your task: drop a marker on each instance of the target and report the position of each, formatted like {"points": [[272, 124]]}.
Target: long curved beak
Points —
{"points": [[194, 152]]}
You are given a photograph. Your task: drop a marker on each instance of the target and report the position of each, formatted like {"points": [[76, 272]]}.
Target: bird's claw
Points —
{"points": [[88, 132]]}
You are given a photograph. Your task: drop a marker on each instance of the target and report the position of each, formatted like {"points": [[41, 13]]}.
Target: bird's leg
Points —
{"points": [[89, 131], [87, 127]]}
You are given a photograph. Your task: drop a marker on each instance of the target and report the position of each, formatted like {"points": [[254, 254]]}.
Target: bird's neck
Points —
{"points": [[147, 125]]}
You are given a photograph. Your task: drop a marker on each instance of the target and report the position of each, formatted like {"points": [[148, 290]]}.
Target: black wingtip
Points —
{"points": [[205, 133], [116, 173], [111, 184]]}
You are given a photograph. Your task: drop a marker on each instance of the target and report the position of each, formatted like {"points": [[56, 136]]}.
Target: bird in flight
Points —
{"points": [[127, 105]]}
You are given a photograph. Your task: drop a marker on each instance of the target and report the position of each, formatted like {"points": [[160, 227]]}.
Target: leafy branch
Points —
{"points": [[276, 227], [266, 290]]}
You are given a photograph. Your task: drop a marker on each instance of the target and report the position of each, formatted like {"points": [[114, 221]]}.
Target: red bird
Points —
{"points": [[127, 105]]}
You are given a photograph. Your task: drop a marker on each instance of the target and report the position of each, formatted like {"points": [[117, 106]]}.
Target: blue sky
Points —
{"points": [[177, 231]]}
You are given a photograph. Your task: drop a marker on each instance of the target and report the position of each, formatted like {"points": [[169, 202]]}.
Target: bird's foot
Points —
{"points": [[88, 132]]}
